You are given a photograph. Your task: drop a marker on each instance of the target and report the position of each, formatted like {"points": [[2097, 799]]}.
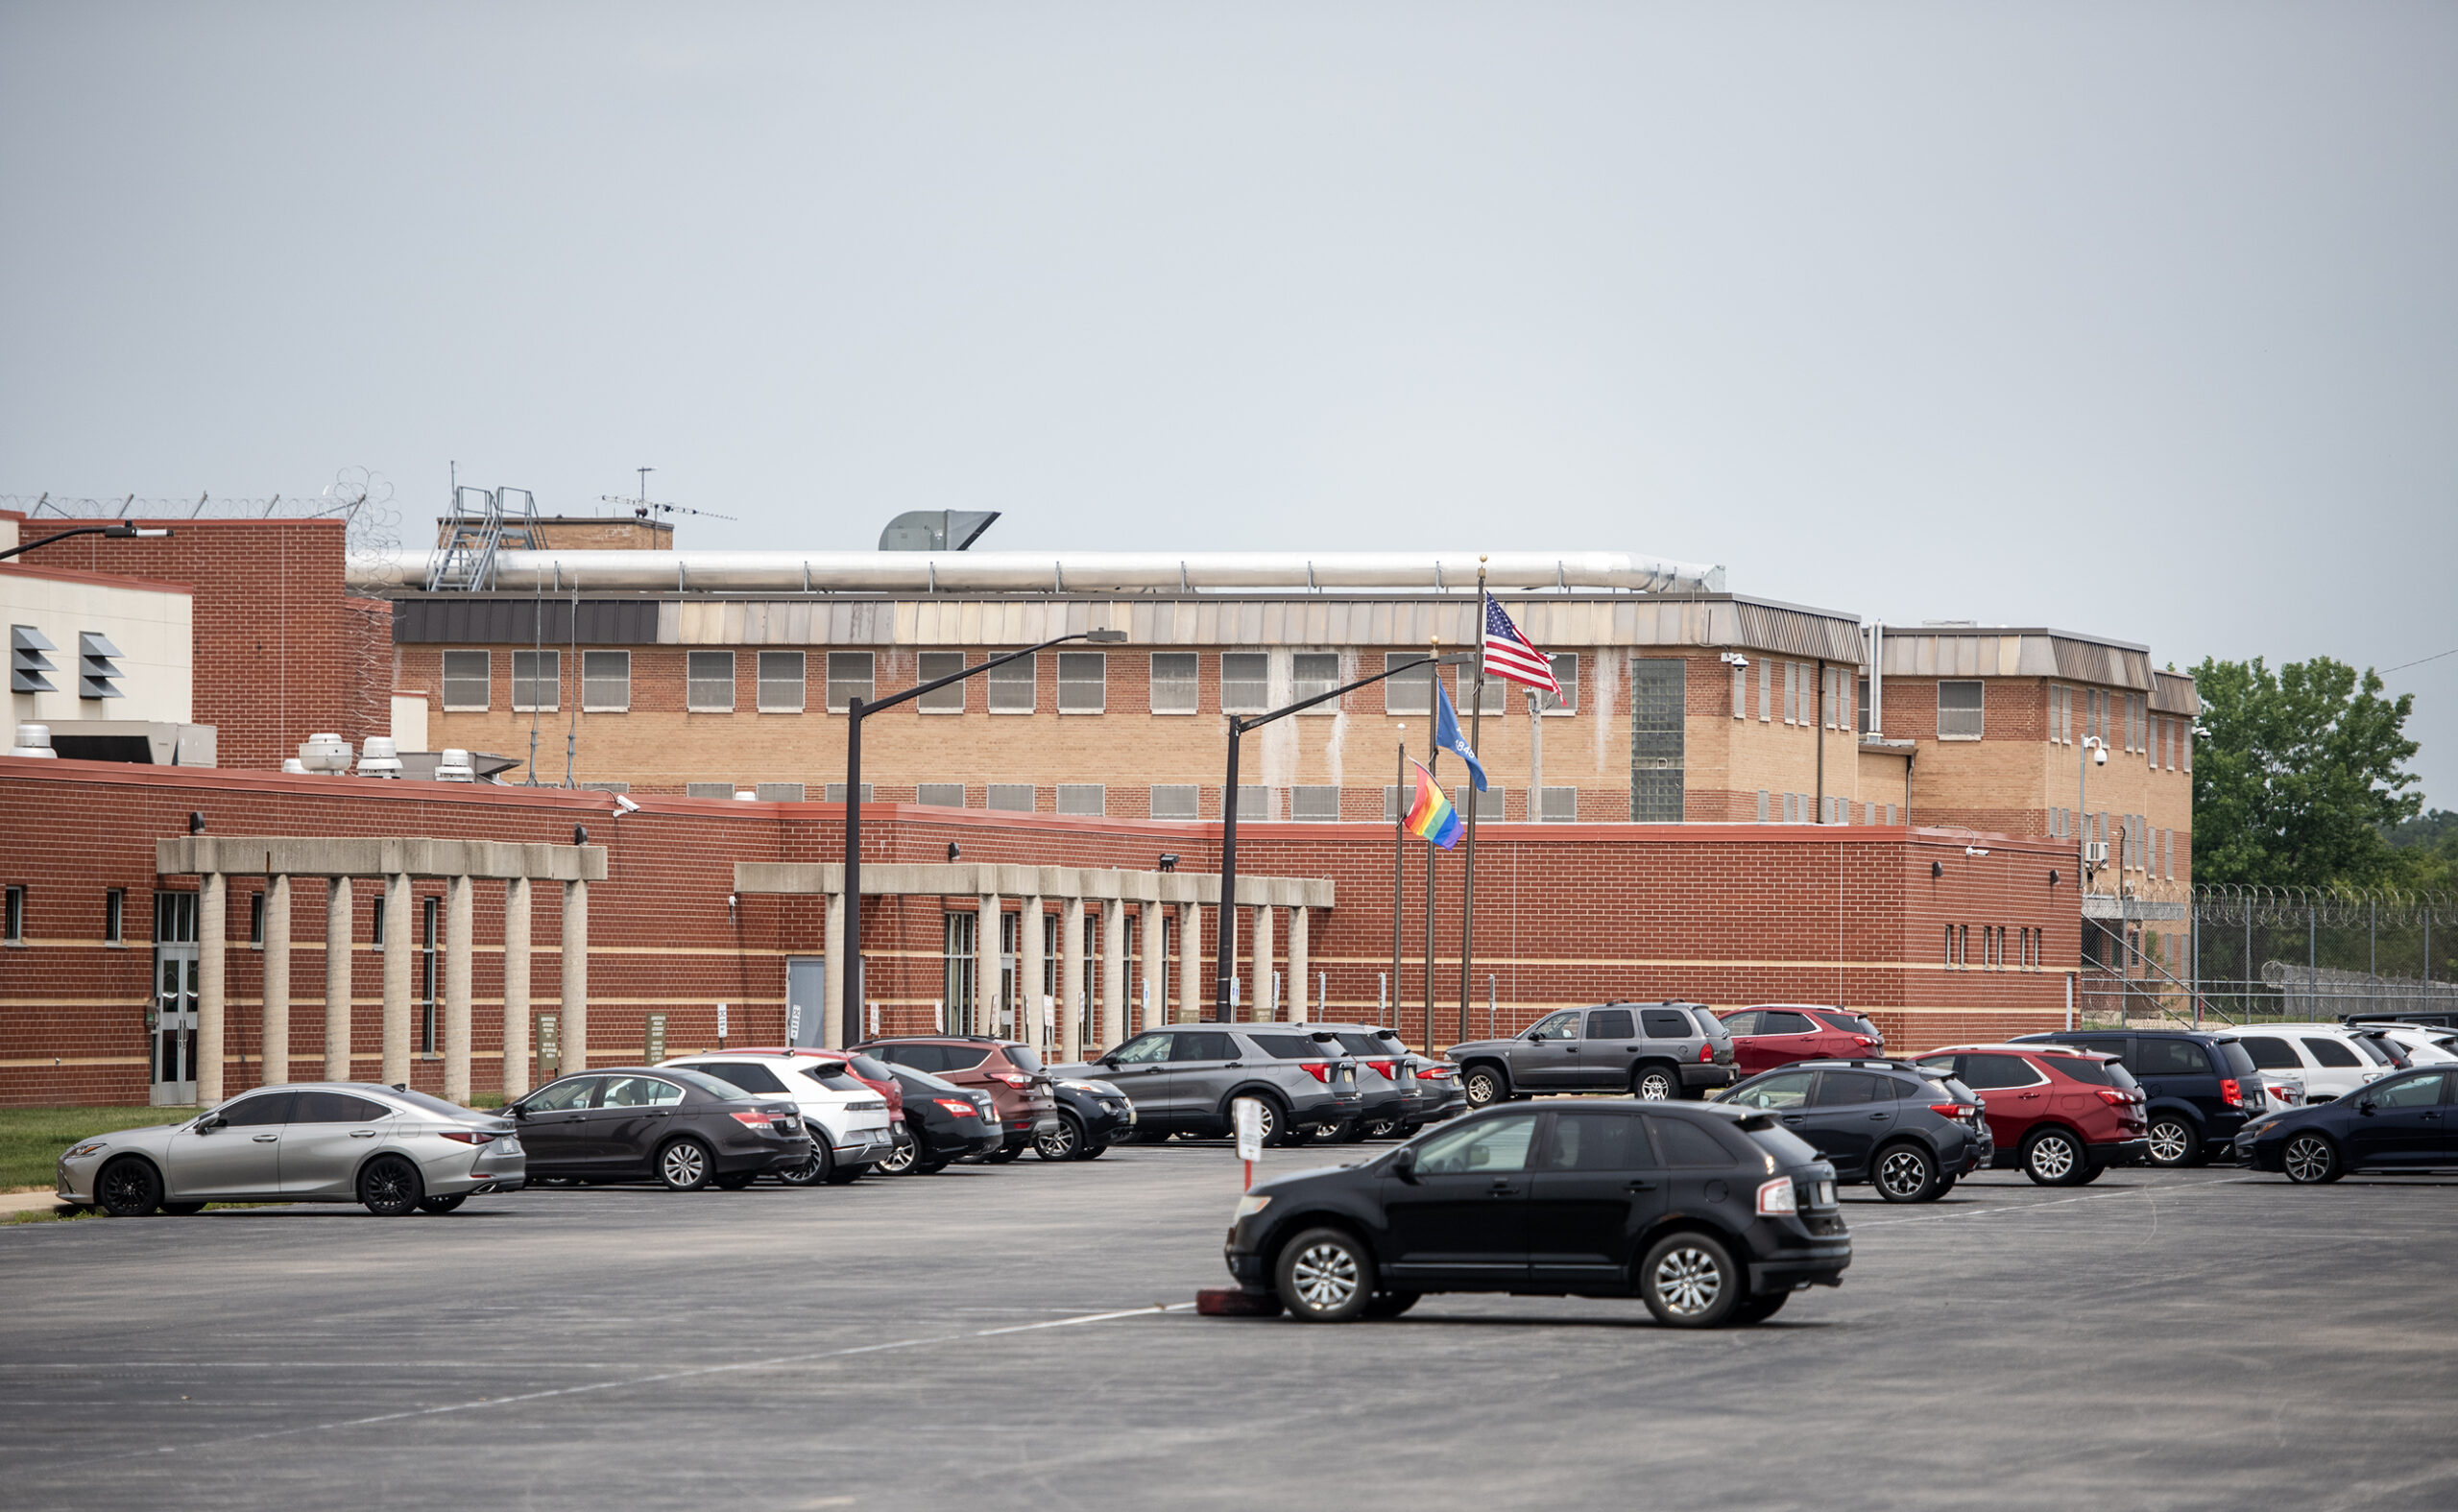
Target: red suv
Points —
{"points": [[1009, 1071], [2062, 1115], [1778, 1034]]}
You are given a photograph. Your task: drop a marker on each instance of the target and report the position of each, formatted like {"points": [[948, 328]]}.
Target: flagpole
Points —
{"points": [[1475, 743], [1432, 759], [1399, 870]]}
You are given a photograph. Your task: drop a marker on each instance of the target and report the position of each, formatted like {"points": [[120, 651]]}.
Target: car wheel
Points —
{"points": [[2175, 1143], [901, 1157], [1328, 1133], [684, 1165], [733, 1181], [1390, 1304], [1274, 1126], [1382, 1128], [811, 1172], [440, 1205], [2053, 1158], [844, 1175], [1091, 1152], [1003, 1154], [1325, 1276], [1689, 1282], [183, 1210], [1906, 1173], [128, 1188], [1758, 1309], [1062, 1142], [2310, 1160], [1946, 1184], [1656, 1084], [2091, 1174], [390, 1187], [1485, 1085], [927, 1167]]}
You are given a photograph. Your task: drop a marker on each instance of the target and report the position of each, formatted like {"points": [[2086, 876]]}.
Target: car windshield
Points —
{"points": [[703, 1082], [1023, 1058], [2240, 1065], [2096, 1073], [1788, 1148], [864, 1065], [834, 1075], [426, 1104], [925, 1080], [1362, 1044], [1954, 1089], [2367, 1047], [1850, 1023]]}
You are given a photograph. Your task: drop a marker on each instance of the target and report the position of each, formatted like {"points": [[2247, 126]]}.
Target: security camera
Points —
{"points": [[1975, 850], [1734, 658], [623, 804], [2099, 756]]}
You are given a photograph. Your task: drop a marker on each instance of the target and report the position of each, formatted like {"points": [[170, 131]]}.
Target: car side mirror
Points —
{"points": [[1404, 1165], [1535, 1038], [211, 1122], [516, 1111], [1110, 1061], [2365, 1106]]}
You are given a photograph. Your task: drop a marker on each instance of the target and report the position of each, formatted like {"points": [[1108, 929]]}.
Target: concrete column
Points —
{"points": [[1113, 971], [1156, 970], [1259, 979], [1299, 983], [1070, 981], [1032, 963], [399, 945], [212, 904], [985, 965], [337, 979], [1190, 959], [457, 941], [516, 988], [574, 1006], [834, 1035], [277, 1009]]}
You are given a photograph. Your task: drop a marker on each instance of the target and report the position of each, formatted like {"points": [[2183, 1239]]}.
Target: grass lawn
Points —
{"points": [[31, 1139]]}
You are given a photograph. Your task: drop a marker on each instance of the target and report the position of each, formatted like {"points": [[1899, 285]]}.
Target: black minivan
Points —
{"points": [[1708, 1215], [2198, 1089]]}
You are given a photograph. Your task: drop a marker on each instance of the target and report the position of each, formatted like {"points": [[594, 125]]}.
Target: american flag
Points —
{"points": [[1509, 655]]}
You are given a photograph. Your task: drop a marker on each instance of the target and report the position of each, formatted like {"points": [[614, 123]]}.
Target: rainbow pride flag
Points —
{"points": [[1431, 815]]}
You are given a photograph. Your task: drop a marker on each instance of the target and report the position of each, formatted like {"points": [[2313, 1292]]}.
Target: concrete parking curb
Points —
{"points": [[26, 1201]]}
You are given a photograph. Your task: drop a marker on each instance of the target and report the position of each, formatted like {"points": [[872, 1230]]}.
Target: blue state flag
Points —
{"points": [[1447, 736]]}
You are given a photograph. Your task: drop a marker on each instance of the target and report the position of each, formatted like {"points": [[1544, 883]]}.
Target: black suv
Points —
{"points": [[1651, 1051], [1708, 1215], [2198, 1090], [1907, 1130]]}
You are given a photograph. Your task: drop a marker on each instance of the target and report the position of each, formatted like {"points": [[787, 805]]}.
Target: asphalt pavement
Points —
{"points": [[1021, 1336]]}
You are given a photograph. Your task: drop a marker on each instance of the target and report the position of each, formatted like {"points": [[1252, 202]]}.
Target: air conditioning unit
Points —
{"points": [[2095, 853]]}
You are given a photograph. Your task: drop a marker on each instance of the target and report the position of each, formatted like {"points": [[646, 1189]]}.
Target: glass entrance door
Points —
{"points": [[171, 1015]]}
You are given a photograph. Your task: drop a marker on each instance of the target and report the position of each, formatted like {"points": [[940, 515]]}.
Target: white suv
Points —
{"points": [[2331, 1059], [2423, 1044], [852, 1116]]}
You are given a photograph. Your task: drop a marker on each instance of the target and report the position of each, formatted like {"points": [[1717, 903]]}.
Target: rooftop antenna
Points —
{"points": [[644, 482]]}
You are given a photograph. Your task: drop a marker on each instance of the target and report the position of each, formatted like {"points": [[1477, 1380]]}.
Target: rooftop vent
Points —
{"points": [[935, 529]]}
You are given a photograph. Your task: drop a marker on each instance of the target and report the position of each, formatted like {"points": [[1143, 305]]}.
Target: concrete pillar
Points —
{"points": [[337, 979], [457, 943], [1153, 991], [1258, 1004], [1113, 972], [833, 1032], [277, 1009], [985, 965], [399, 945], [212, 905], [1299, 983], [1032, 964], [574, 1005], [1070, 982], [1190, 959], [516, 988]]}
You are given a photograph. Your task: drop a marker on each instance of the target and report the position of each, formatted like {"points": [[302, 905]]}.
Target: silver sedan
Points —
{"points": [[387, 1147]]}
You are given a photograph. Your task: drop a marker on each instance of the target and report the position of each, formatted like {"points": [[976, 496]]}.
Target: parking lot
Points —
{"points": [[995, 1337]]}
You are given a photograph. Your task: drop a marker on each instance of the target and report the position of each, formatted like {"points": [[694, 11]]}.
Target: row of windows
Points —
{"points": [[2141, 846], [1812, 694], [1796, 808], [1010, 689], [12, 916], [2000, 947]]}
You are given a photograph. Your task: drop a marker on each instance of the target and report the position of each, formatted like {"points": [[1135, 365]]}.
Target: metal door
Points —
{"points": [[807, 999], [1548, 1055], [1596, 1188], [171, 1019], [329, 1135]]}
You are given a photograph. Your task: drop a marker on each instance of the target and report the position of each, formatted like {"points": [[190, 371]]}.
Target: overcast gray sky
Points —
{"points": [[2139, 319]]}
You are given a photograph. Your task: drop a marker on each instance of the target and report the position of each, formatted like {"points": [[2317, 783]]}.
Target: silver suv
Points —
{"points": [[1182, 1077], [1651, 1051]]}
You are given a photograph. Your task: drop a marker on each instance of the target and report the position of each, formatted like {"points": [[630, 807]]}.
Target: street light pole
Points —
{"points": [[116, 530], [850, 969]]}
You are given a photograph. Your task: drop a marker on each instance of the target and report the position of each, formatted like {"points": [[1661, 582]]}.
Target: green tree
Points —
{"points": [[2298, 775]]}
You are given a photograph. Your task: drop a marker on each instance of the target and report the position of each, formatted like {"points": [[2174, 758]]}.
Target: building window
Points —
{"points": [[1254, 802], [1245, 681], [1765, 691], [1558, 805], [1409, 692], [1084, 799], [1312, 674], [465, 681], [12, 927], [1656, 741], [940, 795], [1463, 694], [851, 675], [256, 919], [1012, 685], [376, 914], [1015, 798], [709, 682], [1950, 945], [1792, 692], [1083, 683], [1177, 801], [605, 682], [1741, 692], [1566, 673], [1318, 804], [829, 792], [1861, 706], [1176, 681], [427, 975], [956, 975], [1762, 806], [933, 665], [115, 916], [1959, 711], [537, 681]]}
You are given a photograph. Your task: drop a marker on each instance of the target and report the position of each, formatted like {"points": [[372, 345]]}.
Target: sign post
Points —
{"points": [[721, 1026], [1248, 1114]]}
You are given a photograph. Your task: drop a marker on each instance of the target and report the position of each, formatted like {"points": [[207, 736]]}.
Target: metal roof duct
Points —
{"points": [[1052, 572]]}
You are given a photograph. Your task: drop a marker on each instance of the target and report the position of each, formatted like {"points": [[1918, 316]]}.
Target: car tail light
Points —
{"points": [[1706, 1052], [1384, 1067], [752, 1121], [1777, 1197], [2230, 1092], [1015, 1079], [954, 1105], [1967, 1111], [1864, 1041], [2285, 1094], [2113, 1097], [1320, 1071], [469, 1137], [1436, 1073]]}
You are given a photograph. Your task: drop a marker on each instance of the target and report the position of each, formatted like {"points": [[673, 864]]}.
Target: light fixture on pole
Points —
{"points": [[116, 530]]}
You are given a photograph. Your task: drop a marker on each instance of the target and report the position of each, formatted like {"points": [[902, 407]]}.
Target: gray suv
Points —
{"points": [[1652, 1052], [1182, 1078]]}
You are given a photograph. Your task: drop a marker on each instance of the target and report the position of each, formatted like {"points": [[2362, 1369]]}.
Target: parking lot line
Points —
{"points": [[2062, 1201]]}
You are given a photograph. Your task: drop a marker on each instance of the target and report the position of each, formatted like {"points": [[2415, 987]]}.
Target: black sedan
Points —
{"points": [[1091, 1117], [2401, 1122], [1706, 1213], [947, 1123], [670, 1124]]}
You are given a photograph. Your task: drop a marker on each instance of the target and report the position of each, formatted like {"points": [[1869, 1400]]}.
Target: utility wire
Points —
{"points": [[2420, 661]]}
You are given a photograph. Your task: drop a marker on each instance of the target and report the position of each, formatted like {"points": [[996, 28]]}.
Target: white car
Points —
{"points": [[834, 1102], [2423, 1044], [2332, 1058]]}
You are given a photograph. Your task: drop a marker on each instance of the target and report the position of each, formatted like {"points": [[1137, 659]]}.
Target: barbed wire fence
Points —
{"points": [[359, 497], [2303, 954]]}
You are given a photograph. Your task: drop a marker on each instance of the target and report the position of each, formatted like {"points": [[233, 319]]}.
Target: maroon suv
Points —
{"points": [[1007, 1070], [1777, 1034], [2059, 1115]]}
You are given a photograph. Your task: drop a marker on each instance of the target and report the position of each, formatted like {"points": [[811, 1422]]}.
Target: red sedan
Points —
{"points": [[1778, 1034]]}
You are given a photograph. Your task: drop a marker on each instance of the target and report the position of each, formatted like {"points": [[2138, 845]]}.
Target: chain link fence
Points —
{"points": [[2296, 954]]}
